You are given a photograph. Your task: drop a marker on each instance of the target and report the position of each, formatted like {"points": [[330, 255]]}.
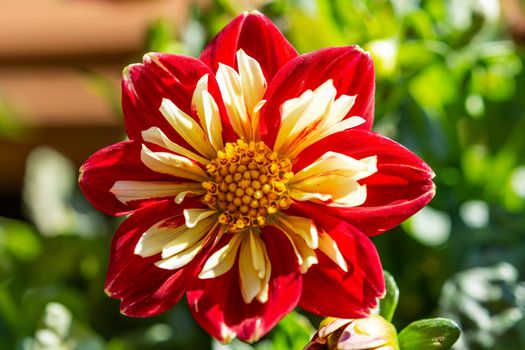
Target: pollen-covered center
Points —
{"points": [[248, 183]]}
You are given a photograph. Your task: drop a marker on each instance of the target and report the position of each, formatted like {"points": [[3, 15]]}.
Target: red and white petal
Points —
{"points": [[116, 181], [333, 179], [401, 186], [328, 289], [351, 70], [218, 305], [242, 93], [143, 288], [257, 36], [165, 76]]}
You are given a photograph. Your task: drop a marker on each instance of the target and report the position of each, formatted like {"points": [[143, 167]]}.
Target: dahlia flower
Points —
{"points": [[253, 180]]}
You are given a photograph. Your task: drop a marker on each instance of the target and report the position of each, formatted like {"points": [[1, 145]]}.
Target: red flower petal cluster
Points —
{"points": [[253, 181]]}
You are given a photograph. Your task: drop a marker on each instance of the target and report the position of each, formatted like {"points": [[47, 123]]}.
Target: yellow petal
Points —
{"points": [[222, 260], [179, 260], [172, 164], [313, 116], [254, 277], [340, 108], [303, 227], [231, 90], [305, 111], [302, 234], [242, 93], [194, 216], [155, 238], [188, 237], [187, 128], [329, 247], [129, 191], [262, 297], [208, 113], [348, 123], [156, 136], [340, 190], [252, 79], [257, 252], [333, 177]]}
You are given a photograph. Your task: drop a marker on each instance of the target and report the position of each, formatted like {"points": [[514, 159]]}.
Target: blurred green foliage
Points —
{"points": [[450, 86]]}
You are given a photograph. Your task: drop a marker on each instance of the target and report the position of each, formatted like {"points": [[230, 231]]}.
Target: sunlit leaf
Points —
{"points": [[388, 305], [429, 334]]}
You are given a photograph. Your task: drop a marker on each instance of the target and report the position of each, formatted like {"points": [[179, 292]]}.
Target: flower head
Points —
{"points": [[253, 181]]}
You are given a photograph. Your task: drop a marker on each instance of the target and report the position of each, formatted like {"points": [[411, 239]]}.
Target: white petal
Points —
{"points": [[222, 260], [181, 259], [231, 90], [187, 128], [242, 93], [194, 216], [208, 113], [250, 281], [153, 240], [311, 109], [329, 247], [302, 234], [188, 237], [156, 136], [129, 191], [311, 117], [333, 177], [303, 227], [172, 164], [252, 80]]}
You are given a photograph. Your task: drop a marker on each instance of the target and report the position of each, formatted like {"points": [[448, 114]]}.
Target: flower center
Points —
{"points": [[248, 183]]}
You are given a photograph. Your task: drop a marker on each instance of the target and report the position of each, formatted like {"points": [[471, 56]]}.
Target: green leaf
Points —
{"points": [[292, 333], [387, 305], [429, 334]]}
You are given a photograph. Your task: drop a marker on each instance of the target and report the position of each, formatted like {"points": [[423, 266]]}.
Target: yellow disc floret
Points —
{"points": [[248, 183]]}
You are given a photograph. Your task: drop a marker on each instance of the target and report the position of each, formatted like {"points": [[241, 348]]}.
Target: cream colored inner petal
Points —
{"points": [[129, 191], [254, 86], [180, 260], [187, 128], [157, 137], [172, 164], [254, 268], [313, 116], [333, 178], [329, 247], [208, 113], [242, 93], [222, 260], [177, 245], [302, 234], [194, 216], [155, 238], [188, 237], [254, 265]]}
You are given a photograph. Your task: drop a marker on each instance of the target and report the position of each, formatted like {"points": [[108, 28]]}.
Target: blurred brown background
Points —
{"points": [[49, 50]]}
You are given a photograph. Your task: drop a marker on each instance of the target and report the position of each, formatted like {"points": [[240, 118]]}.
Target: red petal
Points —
{"points": [[99, 173], [219, 308], [401, 186], [144, 289], [328, 290], [120, 161], [257, 36], [351, 69], [164, 76]]}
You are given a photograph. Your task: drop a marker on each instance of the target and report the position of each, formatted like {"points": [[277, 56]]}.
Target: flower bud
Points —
{"points": [[371, 333]]}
